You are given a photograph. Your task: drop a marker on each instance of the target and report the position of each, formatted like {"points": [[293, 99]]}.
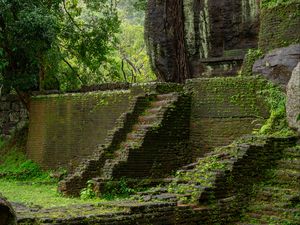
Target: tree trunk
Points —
{"points": [[164, 34]]}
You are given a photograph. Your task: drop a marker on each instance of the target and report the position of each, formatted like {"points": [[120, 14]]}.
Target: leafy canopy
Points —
{"points": [[51, 42]]}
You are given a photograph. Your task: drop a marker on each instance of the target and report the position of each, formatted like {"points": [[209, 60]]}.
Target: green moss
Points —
{"points": [[276, 124], [202, 175], [250, 58], [275, 3], [280, 24]]}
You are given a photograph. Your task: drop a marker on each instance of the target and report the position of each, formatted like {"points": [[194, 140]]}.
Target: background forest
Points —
{"points": [[66, 44]]}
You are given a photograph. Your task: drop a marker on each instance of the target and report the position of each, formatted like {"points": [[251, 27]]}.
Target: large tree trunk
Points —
{"points": [[165, 39], [7, 214]]}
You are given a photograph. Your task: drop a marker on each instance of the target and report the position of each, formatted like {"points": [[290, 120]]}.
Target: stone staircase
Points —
{"points": [[277, 201], [150, 119], [130, 150], [222, 182]]}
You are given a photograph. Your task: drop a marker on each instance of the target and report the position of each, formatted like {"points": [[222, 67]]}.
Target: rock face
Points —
{"points": [[181, 33], [164, 32], [7, 214], [278, 64], [293, 99]]}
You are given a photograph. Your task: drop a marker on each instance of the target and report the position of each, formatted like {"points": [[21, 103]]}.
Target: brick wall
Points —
{"points": [[12, 114], [280, 26], [69, 127], [224, 109]]}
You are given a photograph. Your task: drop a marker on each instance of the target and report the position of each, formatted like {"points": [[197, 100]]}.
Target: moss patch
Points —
{"points": [[250, 58], [280, 24]]}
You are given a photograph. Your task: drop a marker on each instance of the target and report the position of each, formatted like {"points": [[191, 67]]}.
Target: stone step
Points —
{"points": [[161, 103], [153, 110], [169, 96], [190, 166], [141, 126], [130, 144], [148, 119], [291, 152], [136, 136], [293, 164], [261, 218], [287, 175]]}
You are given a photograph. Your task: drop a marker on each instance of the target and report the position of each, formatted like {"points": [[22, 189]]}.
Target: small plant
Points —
{"points": [[88, 192], [250, 58], [276, 124], [115, 189]]}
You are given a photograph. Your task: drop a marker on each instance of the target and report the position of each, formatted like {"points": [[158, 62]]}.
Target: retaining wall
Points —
{"points": [[224, 109], [69, 127]]}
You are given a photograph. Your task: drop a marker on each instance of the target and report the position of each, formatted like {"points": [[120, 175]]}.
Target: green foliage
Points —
{"points": [[27, 31], [88, 192], [63, 43], [250, 58], [132, 57], [15, 166], [117, 189], [276, 124]]}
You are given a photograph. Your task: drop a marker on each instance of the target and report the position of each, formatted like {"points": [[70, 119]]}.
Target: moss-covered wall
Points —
{"points": [[70, 126], [280, 26], [224, 109]]}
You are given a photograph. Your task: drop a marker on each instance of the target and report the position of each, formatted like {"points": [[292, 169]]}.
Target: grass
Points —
{"points": [[36, 194]]}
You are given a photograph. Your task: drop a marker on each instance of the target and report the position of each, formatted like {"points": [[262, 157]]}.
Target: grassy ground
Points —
{"points": [[43, 195]]}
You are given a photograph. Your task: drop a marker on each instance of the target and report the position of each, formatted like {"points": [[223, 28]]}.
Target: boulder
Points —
{"points": [[7, 213], [278, 64], [293, 99]]}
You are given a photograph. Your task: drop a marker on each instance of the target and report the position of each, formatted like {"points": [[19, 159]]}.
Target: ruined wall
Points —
{"points": [[70, 126], [280, 26], [224, 109], [12, 114]]}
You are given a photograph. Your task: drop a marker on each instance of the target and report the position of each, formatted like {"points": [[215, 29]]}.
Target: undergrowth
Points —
{"points": [[14, 165], [276, 124], [111, 190]]}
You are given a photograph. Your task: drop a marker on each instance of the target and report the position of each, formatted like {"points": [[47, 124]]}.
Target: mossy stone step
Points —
{"points": [[148, 119], [287, 174], [293, 164], [153, 110], [161, 103], [170, 96], [292, 152]]}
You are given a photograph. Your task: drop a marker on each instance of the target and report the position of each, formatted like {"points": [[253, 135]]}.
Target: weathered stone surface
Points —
{"points": [[13, 115], [293, 99], [211, 29], [224, 109], [279, 26], [7, 213], [278, 64]]}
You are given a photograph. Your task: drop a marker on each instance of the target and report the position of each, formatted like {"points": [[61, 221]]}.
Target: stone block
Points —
{"points": [[293, 99]]}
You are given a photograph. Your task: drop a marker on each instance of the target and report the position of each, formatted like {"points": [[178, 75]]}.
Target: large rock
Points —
{"points": [[7, 213], [278, 64], [293, 99], [180, 33]]}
